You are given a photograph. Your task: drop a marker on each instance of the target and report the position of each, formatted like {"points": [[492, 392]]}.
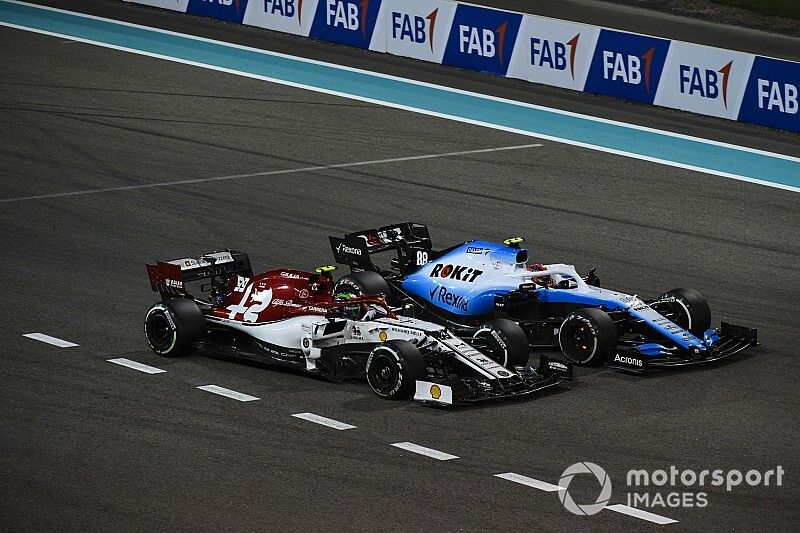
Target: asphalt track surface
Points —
{"points": [[89, 445]]}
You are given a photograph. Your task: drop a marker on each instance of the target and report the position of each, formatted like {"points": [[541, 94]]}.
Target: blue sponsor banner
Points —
{"points": [[627, 65], [482, 39], [231, 10], [772, 94], [349, 22]]}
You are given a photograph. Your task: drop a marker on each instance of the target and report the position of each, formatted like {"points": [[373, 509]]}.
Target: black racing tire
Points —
{"points": [[588, 337], [393, 368], [690, 310], [361, 283], [173, 325], [508, 344]]}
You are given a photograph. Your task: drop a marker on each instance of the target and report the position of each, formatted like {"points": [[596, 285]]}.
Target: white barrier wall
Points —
{"points": [[692, 77]]}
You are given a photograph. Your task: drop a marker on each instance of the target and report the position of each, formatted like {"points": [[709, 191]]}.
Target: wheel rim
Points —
{"points": [[581, 342], [160, 332], [383, 374]]}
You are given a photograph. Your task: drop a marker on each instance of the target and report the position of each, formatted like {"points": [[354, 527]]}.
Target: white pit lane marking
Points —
{"points": [[41, 337], [639, 513], [422, 450], [147, 369], [317, 419], [222, 391], [529, 481]]}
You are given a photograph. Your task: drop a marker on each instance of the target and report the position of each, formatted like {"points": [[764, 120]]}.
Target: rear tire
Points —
{"points": [[393, 369], [173, 325], [361, 283], [690, 310], [588, 336], [508, 344]]}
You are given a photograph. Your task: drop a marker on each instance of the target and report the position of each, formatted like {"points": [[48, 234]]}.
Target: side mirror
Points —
{"points": [[591, 278]]}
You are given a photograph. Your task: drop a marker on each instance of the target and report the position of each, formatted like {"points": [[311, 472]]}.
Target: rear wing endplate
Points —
{"points": [[411, 241], [169, 278]]}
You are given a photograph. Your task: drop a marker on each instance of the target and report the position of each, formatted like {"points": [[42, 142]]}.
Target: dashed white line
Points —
{"points": [[222, 391], [639, 513], [422, 450], [147, 369], [617, 508], [41, 337], [317, 419], [529, 481]]}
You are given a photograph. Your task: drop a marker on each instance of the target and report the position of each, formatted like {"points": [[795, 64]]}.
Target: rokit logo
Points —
{"points": [[413, 28], [455, 272], [291, 275], [553, 54], [344, 249]]}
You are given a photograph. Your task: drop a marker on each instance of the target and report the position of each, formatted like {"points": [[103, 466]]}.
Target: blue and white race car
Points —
{"points": [[466, 285]]}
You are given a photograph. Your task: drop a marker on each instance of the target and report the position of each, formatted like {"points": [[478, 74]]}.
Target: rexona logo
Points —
{"points": [[350, 22], [627, 65], [482, 39], [771, 95], [455, 272], [706, 83], [231, 10], [449, 298], [344, 249], [413, 28], [554, 54]]}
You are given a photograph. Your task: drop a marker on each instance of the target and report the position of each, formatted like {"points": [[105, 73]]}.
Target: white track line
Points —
{"points": [[529, 481], [41, 337], [147, 369], [422, 450], [638, 513], [269, 173], [317, 419], [222, 391]]}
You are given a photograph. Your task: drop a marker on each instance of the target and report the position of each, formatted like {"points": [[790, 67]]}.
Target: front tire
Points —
{"points": [[172, 326], [689, 310], [588, 336], [393, 369], [507, 342]]}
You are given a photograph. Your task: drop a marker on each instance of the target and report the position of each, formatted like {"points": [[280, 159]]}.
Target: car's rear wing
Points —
{"points": [[410, 240], [169, 278]]}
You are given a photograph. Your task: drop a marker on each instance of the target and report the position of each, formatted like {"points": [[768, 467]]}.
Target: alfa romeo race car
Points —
{"points": [[294, 319], [473, 282]]}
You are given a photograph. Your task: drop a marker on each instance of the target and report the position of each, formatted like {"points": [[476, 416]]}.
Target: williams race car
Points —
{"points": [[293, 319], [471, 283]]}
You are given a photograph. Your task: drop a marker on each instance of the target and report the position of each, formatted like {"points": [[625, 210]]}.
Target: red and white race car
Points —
{"points": [[293, 319]]}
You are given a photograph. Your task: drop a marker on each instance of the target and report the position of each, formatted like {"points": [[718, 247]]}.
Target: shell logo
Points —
{"points": [[436, 392], [383, 336]]}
